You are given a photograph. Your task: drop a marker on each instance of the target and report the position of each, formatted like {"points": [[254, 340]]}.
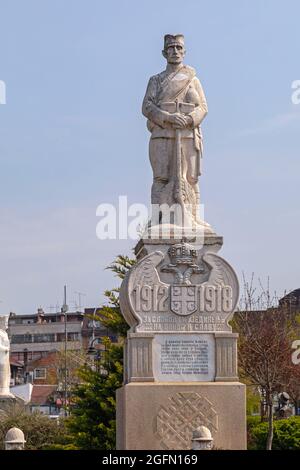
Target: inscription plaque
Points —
{"points": [[184, 358]]}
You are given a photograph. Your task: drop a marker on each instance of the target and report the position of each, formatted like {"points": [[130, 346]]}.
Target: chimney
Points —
{"points": [[40, 315]]}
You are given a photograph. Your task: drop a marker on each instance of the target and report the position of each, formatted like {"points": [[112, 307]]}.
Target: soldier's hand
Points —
{"points": [[189, 121], [178, 120]]}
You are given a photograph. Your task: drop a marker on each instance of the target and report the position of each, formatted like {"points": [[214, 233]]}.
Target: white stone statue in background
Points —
{"points": [[175, 106], [4, 358]]}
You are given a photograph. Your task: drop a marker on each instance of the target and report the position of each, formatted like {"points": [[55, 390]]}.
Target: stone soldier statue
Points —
{"points": [[175, 106], [4, 358]]}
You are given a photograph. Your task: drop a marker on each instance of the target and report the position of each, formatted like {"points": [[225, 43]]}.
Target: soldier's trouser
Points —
{"points": [[163, 162]]}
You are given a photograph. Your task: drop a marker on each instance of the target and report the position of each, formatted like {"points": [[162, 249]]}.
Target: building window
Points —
{"points": [[95, 324], [21, 339], [47, 338], [73, 336], [60, 337], [39, 373]]}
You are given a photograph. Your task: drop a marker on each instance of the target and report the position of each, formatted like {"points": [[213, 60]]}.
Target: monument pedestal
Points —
{"points": [[180, 356], [207, 241], [163, 416], [153, 357], [7, 403]]}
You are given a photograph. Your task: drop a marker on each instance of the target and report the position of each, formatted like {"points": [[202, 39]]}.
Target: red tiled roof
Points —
{"points": [[40, 393]]}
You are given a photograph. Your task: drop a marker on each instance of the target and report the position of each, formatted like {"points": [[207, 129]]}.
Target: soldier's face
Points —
{"points": [[175, 54]]}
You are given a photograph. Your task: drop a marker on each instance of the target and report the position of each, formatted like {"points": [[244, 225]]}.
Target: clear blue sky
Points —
{"points": [[72, 135]]}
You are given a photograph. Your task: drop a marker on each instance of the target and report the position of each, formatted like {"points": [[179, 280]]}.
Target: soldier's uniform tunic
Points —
{"points": [[163, 91]]}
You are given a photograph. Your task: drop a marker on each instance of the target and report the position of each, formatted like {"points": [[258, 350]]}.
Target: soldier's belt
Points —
{"points": [[171, 107], [168, 133]]}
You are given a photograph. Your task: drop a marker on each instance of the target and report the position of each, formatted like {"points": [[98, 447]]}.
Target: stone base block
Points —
{"points": [[163, 416], [7, 403], [209, 242]]}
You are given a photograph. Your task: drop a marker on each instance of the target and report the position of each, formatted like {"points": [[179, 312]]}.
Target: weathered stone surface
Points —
{"points": [[4, 359], [145, 246], [226, 357], [8, 404], [14, 439], [186, 357], [180, 357], [163, 416], [175, 106], [180, 289]]}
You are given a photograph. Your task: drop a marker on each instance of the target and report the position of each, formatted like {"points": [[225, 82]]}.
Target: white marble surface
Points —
{"points": [[175, 106], [154, 299], [4, 358], [184, 358]]}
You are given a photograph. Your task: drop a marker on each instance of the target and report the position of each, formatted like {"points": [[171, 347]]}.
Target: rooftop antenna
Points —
{"points": [[80, 294], [64, 311], [74, 303]]}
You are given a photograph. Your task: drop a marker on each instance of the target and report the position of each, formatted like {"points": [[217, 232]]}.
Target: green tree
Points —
{"points": [[40, 432], [265, 339], [286, 434], [92, 424]]}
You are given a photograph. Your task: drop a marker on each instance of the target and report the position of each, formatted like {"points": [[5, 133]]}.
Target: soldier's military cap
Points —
{"points": [[171, 40]]}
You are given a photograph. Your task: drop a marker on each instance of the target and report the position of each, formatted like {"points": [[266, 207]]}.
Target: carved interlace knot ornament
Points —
{"points": [[185, 412]]}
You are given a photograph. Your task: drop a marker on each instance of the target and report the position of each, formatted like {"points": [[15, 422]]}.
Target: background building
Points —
{"points": [[46, 349], [33, 336]]}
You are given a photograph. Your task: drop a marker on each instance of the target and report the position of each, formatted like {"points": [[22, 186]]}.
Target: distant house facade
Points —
{"points": [[37, 347], [33, 336]]}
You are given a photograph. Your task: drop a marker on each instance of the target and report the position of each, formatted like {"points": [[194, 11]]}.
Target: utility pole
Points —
{"points": [[64, 310]]}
